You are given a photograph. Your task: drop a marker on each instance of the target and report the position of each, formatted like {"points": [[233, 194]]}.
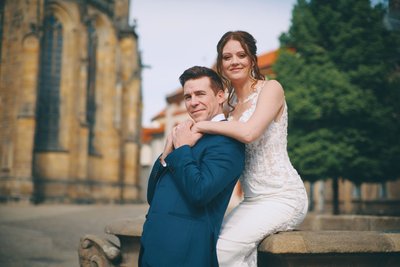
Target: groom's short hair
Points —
{"points": [[198, 72]]}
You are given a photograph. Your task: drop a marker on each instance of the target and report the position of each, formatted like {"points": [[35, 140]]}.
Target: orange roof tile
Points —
{"points": [[148, 133], [159, 115], [267, 59]]}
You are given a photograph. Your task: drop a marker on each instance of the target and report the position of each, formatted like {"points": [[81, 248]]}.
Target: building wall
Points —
{"points": [[72, 172]]}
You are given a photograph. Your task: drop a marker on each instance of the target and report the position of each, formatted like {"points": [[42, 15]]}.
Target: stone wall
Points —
{"points": [[70, 173]]}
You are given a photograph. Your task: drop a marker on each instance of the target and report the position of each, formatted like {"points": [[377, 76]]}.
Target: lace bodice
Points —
{"points": [[268, 170]]}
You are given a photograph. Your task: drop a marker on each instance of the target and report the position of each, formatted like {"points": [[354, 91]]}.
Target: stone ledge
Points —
{"points": [[312, 242], [330, 248], [304, 248], [128, 227]]}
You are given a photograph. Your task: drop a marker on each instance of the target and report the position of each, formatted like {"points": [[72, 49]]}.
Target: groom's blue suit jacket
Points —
{"points": [[188, 199]]}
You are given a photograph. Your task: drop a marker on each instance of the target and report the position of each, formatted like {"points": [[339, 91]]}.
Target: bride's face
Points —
{"points": [[235, 62]]}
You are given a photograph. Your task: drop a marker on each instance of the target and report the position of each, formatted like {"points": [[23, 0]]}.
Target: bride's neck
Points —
{"points": [[243, 89]]}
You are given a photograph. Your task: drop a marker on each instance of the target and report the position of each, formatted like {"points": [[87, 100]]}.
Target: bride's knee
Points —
{"points": [[224, 256], [226, 251], [234, 254]]}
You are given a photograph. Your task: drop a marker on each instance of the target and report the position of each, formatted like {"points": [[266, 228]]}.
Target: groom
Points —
{"points": [[191, 183]]}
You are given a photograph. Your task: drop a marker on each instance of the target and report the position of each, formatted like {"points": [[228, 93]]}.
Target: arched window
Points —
{"points": [[91, 86], [2, 3], [48, 100]]}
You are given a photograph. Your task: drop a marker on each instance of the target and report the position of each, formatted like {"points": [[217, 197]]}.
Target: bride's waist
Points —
{"points": [[266, 173], [274, 181], [268, 184], [268, 191]]}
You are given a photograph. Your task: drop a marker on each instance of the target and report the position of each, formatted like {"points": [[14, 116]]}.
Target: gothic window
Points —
{"points": [[48, 100], [104, 5], [2, 3], [91, 86]]}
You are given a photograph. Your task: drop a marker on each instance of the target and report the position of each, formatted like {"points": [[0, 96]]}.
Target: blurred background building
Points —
{"points": [[70, 101]]}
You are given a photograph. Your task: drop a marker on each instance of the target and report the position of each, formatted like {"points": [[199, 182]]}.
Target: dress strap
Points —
{"points": [[255, 93]]}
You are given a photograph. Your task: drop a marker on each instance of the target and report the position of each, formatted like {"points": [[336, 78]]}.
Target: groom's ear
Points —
{"points": [[221, 97]]}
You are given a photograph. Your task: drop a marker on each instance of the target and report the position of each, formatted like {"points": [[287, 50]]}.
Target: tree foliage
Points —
{"points": [[342, 87]]}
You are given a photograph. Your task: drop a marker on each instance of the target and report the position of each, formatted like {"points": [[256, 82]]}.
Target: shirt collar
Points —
{"points": [[219, 117]]}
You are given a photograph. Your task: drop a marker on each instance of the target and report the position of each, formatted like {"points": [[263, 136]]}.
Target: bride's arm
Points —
{"points": [[269, 104]]}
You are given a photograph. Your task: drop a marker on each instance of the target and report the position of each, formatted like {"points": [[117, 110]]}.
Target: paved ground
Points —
{"points": [[48, 235]]}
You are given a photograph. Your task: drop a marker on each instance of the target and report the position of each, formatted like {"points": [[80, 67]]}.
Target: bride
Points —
{"points": [[274, 195]]}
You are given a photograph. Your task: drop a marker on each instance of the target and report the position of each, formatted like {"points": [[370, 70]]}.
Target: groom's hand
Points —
{"points": [[182, 135]]}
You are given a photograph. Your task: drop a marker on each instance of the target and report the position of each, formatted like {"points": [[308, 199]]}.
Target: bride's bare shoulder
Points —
{"points": [[272, 87], [273, 84]]}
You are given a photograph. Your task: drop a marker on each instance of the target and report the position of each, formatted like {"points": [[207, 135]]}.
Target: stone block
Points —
{"points": [[330, 248]]}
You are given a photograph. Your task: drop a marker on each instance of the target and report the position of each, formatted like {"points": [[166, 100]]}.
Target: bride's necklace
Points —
{"points": [[253, 93], [248, 98]]}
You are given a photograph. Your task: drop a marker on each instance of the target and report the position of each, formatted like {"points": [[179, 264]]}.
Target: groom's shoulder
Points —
{"points": [[220, 139]]}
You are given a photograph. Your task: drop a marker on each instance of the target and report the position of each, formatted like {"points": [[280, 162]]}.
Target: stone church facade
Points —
{"points": [[70, 101]]}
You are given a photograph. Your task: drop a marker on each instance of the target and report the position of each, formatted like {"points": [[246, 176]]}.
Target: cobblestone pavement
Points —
{"points": [[48, 235]]}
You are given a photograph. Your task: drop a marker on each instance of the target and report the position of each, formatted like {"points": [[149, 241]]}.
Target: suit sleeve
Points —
{"points": [[155, 174], [221, 164]]}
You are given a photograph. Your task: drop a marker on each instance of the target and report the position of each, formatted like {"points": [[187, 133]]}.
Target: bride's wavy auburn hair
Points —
{"points": [[248, 43]]}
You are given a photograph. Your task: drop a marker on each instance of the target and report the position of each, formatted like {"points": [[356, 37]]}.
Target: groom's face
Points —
{"points": [[202, 103]]}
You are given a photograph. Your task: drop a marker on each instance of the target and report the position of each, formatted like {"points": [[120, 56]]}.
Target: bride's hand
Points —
{"points": [[197, 127], [196, 134]]}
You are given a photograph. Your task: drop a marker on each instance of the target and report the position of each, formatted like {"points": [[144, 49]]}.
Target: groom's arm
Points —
{"points": [[155, 174], [221, 163], [158, 168]]}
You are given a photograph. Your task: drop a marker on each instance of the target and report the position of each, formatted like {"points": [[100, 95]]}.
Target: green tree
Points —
{"points": [[342, 89]]}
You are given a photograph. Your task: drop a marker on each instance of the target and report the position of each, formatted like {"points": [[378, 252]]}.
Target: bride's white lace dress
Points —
{"points": [[274, 195]]}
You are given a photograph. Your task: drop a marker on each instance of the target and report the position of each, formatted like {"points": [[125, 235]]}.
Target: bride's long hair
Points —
{"points": [[248, 43]]}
